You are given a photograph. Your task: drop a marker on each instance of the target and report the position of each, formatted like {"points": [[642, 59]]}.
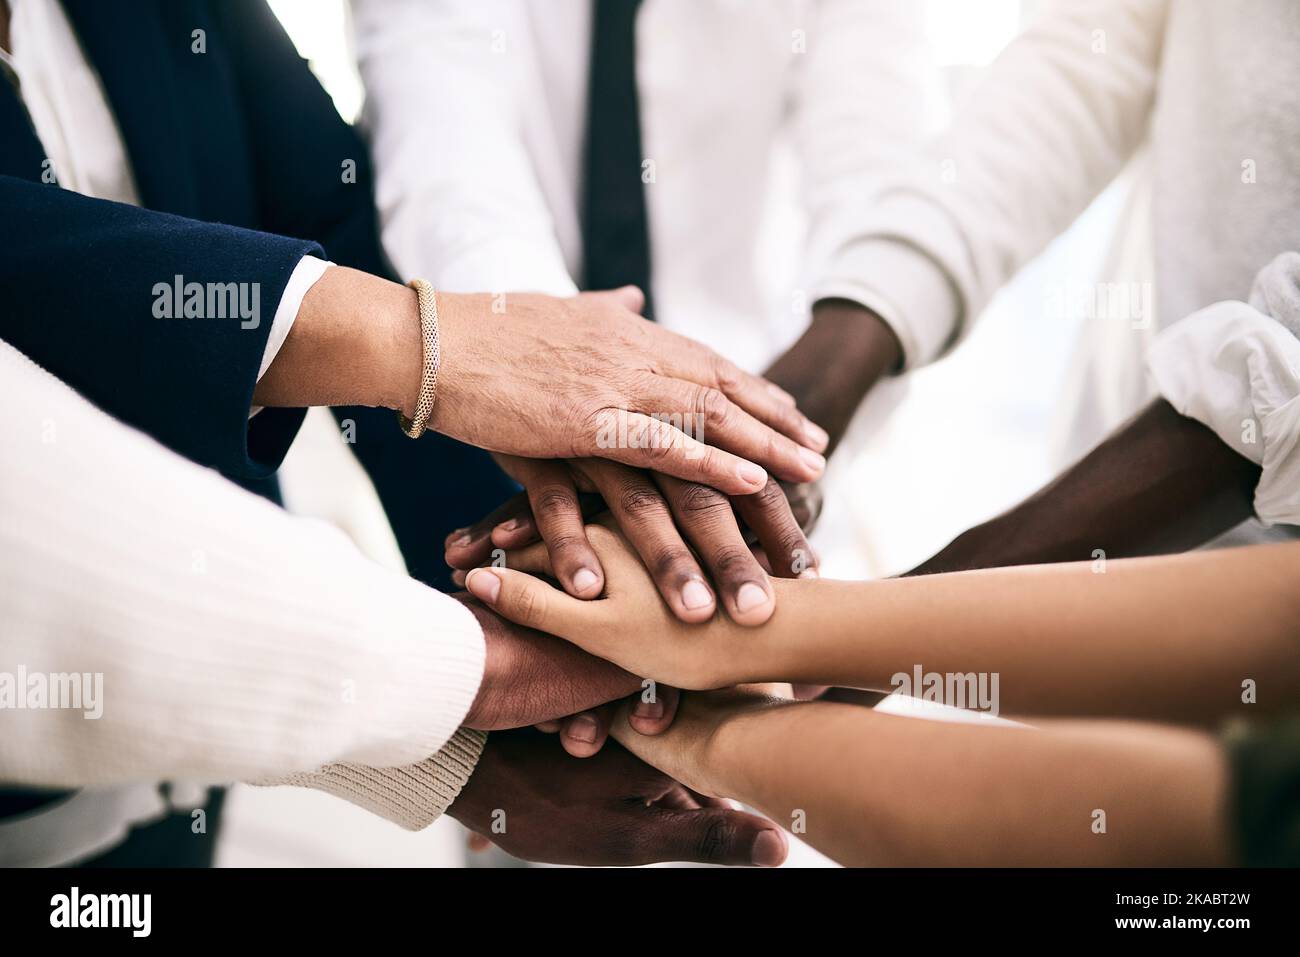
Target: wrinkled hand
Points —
{"points": [[609, 810], [667, 521], [586, 377], [630, 625]]}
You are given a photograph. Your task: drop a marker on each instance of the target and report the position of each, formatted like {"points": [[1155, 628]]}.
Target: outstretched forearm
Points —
{"points": [[1168, 638], [1194, 638], [875, 789], [1162, 483]]}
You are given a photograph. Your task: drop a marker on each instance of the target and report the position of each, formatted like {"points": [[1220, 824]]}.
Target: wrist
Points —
{"points": [[726, 760], [845, 350], [481, 707], [865, 341], [354, 341], [395, 348]]}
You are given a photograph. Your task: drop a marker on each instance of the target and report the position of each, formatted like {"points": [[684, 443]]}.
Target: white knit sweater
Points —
{"points": [[235, 641], [1214, 87]]}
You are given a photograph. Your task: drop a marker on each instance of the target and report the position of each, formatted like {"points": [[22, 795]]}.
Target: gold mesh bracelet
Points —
{"points": [[414, 427]]}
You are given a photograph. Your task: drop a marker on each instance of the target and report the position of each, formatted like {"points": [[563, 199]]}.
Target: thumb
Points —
{"points": [[523, 599], [629, 297], [714, 836]]}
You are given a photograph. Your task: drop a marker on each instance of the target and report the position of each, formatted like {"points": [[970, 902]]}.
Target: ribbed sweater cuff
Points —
{"points": [[892, 265], [413, 796]]}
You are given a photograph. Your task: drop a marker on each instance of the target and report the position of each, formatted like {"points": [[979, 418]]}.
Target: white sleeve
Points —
{"points": [[856, 118], [1058, 115], [459, 199], [213, 636], [1235, 367]]}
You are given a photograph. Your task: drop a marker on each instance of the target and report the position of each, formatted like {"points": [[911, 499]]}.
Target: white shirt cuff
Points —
{"points": [[1237, 371], [305, 274]]}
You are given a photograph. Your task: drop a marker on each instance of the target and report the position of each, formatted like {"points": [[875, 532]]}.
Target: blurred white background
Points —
{"points": [[966, 438]]}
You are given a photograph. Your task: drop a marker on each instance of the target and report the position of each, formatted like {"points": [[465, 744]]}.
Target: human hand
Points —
{"points": [[530, 677], [587, 377], [630, 625], [690, 751], [609, 810], [659, 515]]}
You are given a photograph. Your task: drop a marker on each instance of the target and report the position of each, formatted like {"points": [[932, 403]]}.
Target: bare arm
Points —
{"points": [[876, 789], [545, 378], [1169, 638]]}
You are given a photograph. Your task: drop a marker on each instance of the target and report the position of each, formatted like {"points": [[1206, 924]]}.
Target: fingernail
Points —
{"points": [[750, 596], [483, 584], [583, 728], [696, 595], [583, 579], [752, 474], [456, 535], [816, 434], [810, 573], [653, 710], [509, 525], [813, 460], [768, 849], [462, 541]]}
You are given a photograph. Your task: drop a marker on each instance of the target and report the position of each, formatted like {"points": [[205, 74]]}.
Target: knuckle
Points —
{"points": [[672, 563], [717, 839], [726, 373], [733, 561], [659, 449], [792, 541], [712, 404], [792, 422], [588, 427], [651, 437], [701, 501], [771, 498], [566, 545], [778, 446], [529, 605], [555, 499], [641, 501]]}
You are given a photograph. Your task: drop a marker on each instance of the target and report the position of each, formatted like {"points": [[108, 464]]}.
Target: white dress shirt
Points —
{"points": [[759, 118]]}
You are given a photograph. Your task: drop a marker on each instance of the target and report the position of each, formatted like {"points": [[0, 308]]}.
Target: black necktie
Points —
{"points": [[615, 228]]}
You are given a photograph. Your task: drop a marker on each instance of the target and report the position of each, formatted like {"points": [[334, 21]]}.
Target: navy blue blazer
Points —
{"points": [[238, 155]]}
